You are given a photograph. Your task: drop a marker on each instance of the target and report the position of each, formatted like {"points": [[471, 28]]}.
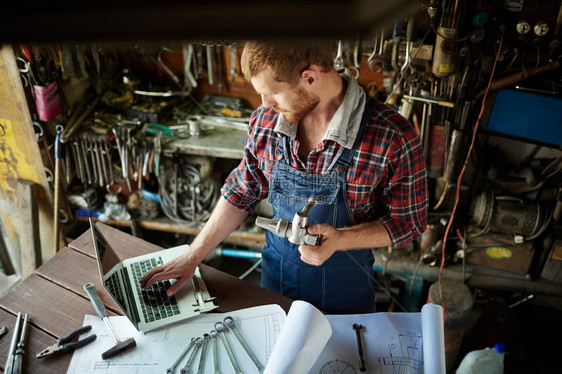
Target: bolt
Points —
{"points": [[358, 329]]}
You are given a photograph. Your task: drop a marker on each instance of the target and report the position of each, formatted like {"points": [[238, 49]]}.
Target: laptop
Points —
{"points": [[151, 308]]}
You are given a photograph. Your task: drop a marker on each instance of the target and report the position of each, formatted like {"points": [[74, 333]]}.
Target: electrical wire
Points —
{"points": [[459, 179], [185, 196], [247, 272], [417, 268]]}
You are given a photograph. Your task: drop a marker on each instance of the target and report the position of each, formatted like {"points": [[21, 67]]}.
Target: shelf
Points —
{"points": [[218, 142], [237, 237]]}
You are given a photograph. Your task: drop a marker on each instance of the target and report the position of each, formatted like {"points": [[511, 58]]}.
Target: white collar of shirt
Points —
{"points": [[345, 123]]}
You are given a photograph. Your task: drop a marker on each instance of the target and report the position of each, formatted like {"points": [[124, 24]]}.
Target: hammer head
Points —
{"points": [[119, 348]]}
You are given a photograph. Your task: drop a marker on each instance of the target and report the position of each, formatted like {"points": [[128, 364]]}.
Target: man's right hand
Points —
{"points": [[182, 269], [224, 219]]}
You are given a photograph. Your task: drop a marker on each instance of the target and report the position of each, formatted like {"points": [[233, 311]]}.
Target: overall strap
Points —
{"points": [[347, 155], [284, 147]]}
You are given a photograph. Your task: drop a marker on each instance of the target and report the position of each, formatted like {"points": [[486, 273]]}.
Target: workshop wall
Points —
{"points": [[151, 129]]}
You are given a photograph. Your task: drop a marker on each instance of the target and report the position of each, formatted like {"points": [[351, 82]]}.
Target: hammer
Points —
{"points": [[120, 346]]}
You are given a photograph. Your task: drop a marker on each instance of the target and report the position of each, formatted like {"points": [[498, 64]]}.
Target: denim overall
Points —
{"points": [[344, 283]]}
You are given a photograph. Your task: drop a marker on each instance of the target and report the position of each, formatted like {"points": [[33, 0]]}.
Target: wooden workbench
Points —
{"points": [[54, 298]]}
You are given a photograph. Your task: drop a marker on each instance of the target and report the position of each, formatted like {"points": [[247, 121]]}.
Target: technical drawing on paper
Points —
{"points": [[272, 330], [405, 356], [156, 350], [337, 367]]}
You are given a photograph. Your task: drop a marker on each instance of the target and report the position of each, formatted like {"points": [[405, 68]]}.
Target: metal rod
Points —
{"points": [[56, 234]]}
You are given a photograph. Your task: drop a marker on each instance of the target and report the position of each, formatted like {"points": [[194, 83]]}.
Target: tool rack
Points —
{"points": [[224, 143], [431, 60]]}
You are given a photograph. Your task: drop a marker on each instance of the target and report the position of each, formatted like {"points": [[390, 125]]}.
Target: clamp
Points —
{"points": [[296, 232]]}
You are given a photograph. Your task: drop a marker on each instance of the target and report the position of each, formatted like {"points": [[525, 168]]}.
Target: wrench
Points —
{"points": [[357, 57], [210, 64], [358, 329], [80, 161], [90, 150], [86, 163], [166, 69], [67, 166], [189, 81], [233, 72], [214, 336], [229, 323], [76, 161], [219, 326], [157, 151], [102, 143], [97, 155], [409, 43], [187, 368], [377, 56], [107, 148], [219, 66], [339, 63], [38, 129], [172, 368], [206, 338], [199, 62]]}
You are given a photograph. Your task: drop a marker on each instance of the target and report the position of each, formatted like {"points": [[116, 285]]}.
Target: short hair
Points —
{"points": [[286, 60]]}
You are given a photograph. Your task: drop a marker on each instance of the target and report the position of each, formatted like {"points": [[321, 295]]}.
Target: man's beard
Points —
{"points": [[304, 104]]}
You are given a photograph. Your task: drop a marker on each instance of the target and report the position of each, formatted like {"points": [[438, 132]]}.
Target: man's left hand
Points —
{"points": [[329, 243]]}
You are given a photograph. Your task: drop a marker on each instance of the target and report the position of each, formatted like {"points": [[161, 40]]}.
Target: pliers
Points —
{"points": [[66, 345]]}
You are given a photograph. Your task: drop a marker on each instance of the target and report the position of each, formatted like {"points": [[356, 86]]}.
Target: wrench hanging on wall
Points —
{"points": [[189, 80]]}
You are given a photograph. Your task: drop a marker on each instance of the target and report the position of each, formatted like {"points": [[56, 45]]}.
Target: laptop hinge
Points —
{"points": [[130, 298]]}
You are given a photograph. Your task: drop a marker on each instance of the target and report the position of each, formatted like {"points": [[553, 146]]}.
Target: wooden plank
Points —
{"points": [[29, 239], [71, 269], [51, 306], [21, 157], [237, 237], [5, 260], [36, 341]]}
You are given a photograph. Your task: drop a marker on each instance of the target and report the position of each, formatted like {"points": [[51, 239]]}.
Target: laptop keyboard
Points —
{"points": [[155, 303], [112, 284]]}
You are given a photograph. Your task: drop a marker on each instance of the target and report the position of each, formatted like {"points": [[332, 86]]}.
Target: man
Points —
{"points": [[317, 135]]}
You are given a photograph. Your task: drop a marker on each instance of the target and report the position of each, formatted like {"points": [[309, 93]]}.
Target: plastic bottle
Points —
{"points": [[483, 361]]}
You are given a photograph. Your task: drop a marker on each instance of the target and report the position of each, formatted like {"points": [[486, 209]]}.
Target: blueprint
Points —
{"points": [[157, 350], [304, 341], [392, 343]]}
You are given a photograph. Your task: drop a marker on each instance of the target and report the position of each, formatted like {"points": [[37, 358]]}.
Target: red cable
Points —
{"points": [[459, 179]]}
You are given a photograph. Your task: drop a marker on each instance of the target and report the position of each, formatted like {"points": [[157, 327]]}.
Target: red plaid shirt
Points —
{"points": [[386, 179]]}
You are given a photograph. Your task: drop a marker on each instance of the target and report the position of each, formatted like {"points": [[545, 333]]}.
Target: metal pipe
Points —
{"points": [[476, 277], [431, 100], [239, 253], [56, 203]]}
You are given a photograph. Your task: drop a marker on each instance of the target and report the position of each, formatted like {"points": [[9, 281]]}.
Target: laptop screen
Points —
{"points": [[110, 268], [107, 256]]}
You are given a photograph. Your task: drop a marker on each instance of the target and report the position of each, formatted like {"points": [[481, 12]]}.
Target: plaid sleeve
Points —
{"points": [[247, 184], [406, 191]]}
